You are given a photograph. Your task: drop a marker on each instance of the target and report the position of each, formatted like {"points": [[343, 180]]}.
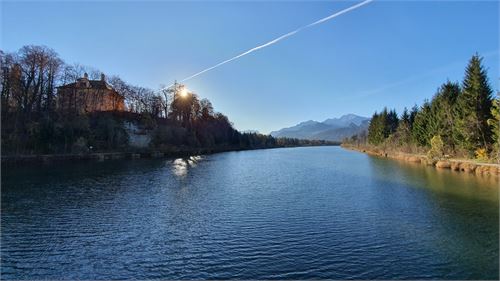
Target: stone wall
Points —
{"points": [[138, 137]]}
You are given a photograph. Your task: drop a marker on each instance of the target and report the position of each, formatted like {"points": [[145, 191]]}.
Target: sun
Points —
{"points": [[183, 92]]}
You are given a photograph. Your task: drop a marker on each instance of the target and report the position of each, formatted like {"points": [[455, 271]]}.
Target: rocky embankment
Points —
{"points": [[459, 165]]}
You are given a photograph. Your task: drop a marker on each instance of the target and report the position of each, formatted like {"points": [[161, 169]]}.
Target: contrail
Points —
{"points": [[274, 41]]}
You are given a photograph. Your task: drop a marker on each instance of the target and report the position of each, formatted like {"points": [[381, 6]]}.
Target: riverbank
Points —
{"points": [[14, 160], [458, 165], [100, 156]]}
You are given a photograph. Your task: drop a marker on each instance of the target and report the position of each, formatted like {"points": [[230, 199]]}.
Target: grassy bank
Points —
{"points": [[458, 165]]}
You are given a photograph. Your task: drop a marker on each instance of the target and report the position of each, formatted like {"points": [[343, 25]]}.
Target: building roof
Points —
{"points": [[94, 84]]}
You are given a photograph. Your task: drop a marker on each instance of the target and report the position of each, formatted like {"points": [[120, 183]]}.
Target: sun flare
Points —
{"points": [[183, 92]]}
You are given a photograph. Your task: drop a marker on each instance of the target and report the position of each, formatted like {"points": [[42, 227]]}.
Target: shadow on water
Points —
{"points": [[62, 171]]}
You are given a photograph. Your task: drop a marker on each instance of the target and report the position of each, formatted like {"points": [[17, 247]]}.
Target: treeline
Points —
{"points": [[461, 120], [32, 123]]}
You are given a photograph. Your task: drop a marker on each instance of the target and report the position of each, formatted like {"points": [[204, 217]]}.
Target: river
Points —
{"points": [[290, 213]]}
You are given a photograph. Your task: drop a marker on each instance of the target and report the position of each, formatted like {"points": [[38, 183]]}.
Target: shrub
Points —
{"points": [[481, 154], [437, 146]]}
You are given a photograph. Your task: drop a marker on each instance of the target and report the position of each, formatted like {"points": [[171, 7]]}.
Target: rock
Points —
{"points": [[494, 170], [443, 164], [467, 167], [472, 168], [455, 166], [461, 166], [481, 171], [414, 159]]}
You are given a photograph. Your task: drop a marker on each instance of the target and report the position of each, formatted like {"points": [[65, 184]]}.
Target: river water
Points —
{"points": [[292, 213]]}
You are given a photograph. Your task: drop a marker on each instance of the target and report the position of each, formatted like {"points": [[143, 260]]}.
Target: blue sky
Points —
{"points": [[386, 53]]}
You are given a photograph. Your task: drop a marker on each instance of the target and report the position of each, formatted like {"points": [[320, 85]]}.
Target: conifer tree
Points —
{"points": [[441, 121], [420, 130], [376, 129], [391, 122], [413, 113], [474, 108], [405, 116], [382, 125], [403, 132], [494, 123]]}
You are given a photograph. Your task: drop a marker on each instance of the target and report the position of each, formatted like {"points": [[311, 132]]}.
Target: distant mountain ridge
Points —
{"points": [[332, 129]]}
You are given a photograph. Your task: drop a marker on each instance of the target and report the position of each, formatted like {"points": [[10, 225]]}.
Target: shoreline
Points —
{"points": [[46, 159], [457, 165]]}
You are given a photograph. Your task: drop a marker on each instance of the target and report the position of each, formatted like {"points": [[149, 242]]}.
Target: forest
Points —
{"points": [[32, 123], [461, 120]]}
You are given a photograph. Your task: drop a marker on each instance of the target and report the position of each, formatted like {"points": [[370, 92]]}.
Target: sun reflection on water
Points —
{"points": [[181, 166]]}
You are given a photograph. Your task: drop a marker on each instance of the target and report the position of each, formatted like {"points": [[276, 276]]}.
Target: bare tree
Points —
{"points": [[167, 98]]}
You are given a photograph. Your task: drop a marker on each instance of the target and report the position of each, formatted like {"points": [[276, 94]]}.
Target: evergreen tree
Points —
{"points": [[392, 121], [382, 125], [405, 116], [495, 127], [420, 129], [441, 121], [474, 108], [458, 116], [413, 113], [402, 135], [376, 129]]}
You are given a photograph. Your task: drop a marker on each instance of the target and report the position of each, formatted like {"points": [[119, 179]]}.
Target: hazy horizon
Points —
{"points": [[391, 54]]}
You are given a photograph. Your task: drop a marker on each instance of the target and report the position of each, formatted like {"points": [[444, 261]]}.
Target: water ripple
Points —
{"points": [[302, 213]]}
